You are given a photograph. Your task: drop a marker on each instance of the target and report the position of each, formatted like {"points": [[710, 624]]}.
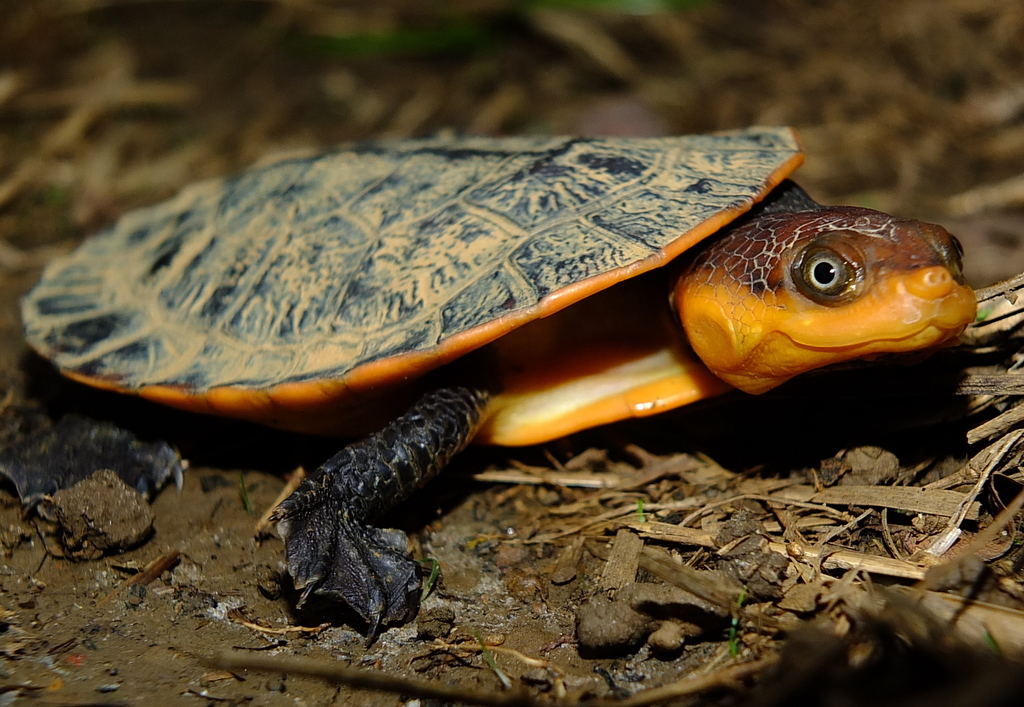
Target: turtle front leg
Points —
{"points": [[330, 549]]}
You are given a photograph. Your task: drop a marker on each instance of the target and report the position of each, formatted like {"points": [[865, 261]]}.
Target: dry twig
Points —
{"points": [[370, 680], [952, 532]]}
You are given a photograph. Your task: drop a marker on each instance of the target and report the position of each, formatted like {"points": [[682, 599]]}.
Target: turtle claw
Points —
{"points": [[330, 555]]}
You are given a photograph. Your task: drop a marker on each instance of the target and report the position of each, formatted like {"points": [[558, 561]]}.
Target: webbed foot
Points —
{"points": [[331, 551], [366, 568]]}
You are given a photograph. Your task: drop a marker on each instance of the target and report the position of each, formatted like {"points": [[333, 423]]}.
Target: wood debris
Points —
{"points": [[623, 560], [568, 560], [905, 498]]}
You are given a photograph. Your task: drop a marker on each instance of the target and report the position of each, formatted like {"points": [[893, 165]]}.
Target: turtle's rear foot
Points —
{"points": [[330, 549], [365, 568], [76, 447]]}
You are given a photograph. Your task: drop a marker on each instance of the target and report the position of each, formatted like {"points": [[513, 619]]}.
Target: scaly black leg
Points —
{"points": [[330, 549]]}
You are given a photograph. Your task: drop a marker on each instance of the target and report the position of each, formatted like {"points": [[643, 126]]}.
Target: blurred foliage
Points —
{"points": [[459, 38], [457, 34], [629, 7]]}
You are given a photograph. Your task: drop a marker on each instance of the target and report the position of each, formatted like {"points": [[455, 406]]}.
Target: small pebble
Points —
{"points": [[435, 623], [539, 678], [275, 684], [669, 637], [268, 582]]}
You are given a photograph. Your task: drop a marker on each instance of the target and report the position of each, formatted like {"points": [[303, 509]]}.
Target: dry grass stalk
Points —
{"points": [[579, 33], [993, 456], [262, 528], [909, 498]]}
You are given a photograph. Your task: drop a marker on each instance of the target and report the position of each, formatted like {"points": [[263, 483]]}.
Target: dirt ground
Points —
{"points": [[916, 107]]}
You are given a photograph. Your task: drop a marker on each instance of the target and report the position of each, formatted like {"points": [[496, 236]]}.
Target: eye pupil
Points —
{"points": [[824, 274]]}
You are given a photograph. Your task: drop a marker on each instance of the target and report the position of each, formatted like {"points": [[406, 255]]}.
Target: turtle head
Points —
{"points": [[788, 292]]}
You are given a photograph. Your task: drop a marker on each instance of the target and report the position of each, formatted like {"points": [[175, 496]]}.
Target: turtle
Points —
{"points": [[435, 291]]}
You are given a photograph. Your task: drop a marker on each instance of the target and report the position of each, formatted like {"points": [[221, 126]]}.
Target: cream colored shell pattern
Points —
{"points": [[311, 267]]}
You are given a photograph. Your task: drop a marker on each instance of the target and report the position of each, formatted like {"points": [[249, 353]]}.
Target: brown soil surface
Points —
{"points": [[916, 107]]}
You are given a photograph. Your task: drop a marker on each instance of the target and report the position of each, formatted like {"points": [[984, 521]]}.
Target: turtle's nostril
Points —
{"points": [[931, 283]]}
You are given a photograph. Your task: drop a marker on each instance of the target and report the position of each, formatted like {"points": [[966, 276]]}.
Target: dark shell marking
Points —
{"points": [[309, 268]]}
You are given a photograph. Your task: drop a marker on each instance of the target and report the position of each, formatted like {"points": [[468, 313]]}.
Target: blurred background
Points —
{"points": [[912, 106]]}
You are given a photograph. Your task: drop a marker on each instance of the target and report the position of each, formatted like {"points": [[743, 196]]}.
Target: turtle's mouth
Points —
{"points": [[911, 311], [790, 359]]}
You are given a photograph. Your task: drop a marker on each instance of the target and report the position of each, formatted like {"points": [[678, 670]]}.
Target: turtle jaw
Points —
{"points": [[919, 310], [780, 358]]}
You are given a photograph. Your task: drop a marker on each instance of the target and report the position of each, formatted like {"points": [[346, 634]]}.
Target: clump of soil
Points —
{"points": [[99, 515]]}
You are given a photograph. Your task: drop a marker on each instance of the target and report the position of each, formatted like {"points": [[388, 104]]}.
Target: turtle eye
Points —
{"points": [[824, 275]]}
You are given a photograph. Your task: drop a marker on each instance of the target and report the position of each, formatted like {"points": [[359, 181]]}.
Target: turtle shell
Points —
{"points": [[374, 263]]}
